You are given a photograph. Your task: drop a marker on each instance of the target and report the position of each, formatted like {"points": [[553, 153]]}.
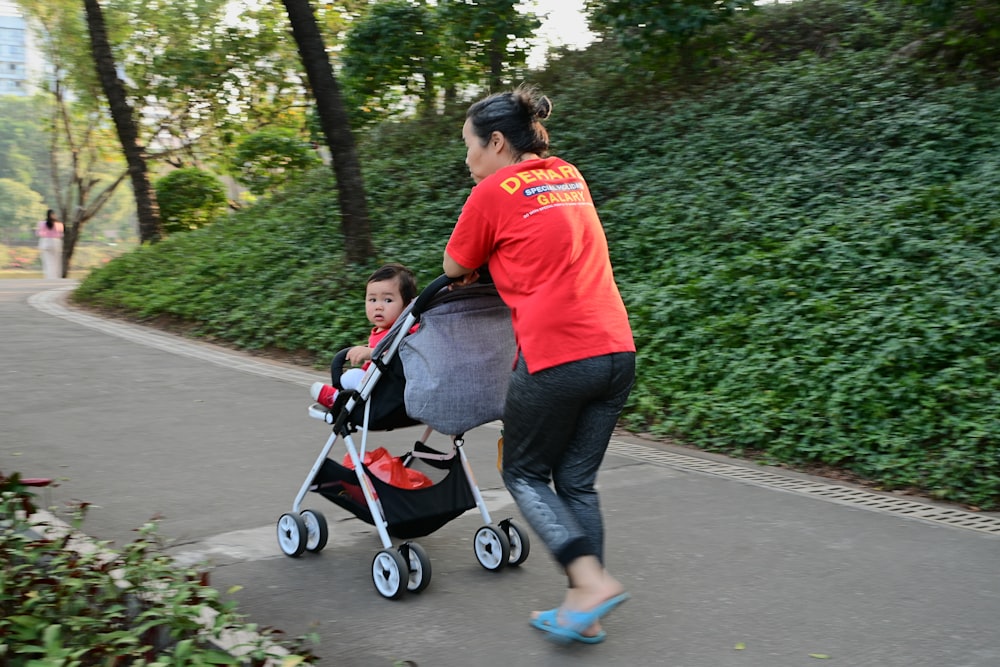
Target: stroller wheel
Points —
{"points": [[520, 545], [420, 566], [316, 531], [292, 535], [390, 573], [492, 547]]}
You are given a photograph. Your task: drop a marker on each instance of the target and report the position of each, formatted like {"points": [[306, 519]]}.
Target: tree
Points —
{"points": [[336, 128], [492, 34], [392, 56], [654, 31], [125, 124], [403, 55], [203, 76], [81, 167], [78, 182]]}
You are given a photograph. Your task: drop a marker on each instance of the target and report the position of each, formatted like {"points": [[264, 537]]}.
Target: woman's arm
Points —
{"points": [[453, 269]]}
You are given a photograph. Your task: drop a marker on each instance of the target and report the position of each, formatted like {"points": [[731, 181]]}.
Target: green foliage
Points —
{"points": [[652, 32], [20, 209], [189, 198], [403, 56], [65, 605], [939, 11], [490, 38], [269, 158], [392, 57], [807, 246], [24, 141]]}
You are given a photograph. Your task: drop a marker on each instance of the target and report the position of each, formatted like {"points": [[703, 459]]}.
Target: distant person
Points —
{"points": [[531, 220], [390, 289], [50, 245]]}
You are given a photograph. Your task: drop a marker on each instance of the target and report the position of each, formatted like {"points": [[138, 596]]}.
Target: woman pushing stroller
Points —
{"points": [[531, 220]]}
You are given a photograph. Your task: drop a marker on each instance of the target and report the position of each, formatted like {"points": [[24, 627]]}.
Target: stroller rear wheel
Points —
{"points": [[390, 574], [420, 566], [492, 547], [292, 534]]}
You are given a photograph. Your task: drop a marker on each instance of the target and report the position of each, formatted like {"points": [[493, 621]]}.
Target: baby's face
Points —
{"points": [[383, 302]]}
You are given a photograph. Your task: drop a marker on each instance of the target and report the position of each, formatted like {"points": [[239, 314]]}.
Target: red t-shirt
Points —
{"points": [[535, 224]]}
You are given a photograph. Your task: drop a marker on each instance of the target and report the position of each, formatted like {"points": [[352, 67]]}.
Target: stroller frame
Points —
{"points": [[406, 567]]}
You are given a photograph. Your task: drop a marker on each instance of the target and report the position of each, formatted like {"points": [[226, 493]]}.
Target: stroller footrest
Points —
{"points": [[317, 411]]}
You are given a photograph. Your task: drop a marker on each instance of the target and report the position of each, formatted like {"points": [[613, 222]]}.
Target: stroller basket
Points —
{"points": [[409, 513]]}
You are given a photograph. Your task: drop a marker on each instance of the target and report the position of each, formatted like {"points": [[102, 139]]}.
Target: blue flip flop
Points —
{"points": [[578, 621], [548, 621]]}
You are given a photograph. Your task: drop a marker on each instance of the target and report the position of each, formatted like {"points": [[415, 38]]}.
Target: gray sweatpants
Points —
{"points": [[557, 425]]}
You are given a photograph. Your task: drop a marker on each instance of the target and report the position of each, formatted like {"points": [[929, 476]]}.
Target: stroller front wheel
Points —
{"points": [[390, 574], [292, 534], [419, 566], [317, 532], [520, 545], [492, 547]]}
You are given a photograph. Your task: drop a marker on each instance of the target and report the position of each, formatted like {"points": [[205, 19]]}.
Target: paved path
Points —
{"points": [[729, 564]]}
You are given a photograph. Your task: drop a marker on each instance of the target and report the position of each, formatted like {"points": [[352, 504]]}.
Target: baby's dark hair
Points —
{"points": [[516, 115], [407, 283]]}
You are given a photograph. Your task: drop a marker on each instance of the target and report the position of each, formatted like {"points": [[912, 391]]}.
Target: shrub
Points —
{"points": [[268, 158], [189, 198], [63, 603]]}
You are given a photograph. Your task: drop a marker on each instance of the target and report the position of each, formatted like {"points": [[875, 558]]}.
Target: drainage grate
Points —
{"points": [[831, 492]]}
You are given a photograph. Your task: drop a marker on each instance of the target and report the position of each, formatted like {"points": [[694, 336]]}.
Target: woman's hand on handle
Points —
{"points": [[463, 275]]}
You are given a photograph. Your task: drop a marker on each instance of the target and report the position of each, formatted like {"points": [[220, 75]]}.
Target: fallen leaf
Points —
{"points": [[739, 646]]}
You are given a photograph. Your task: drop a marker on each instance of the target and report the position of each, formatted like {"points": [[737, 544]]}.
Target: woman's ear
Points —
{"points": [[497, 140]]}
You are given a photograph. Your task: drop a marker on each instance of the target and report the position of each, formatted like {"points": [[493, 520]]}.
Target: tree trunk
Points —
{"points": [[124, 119], [85, 209], [71, 234], [337, 129]]}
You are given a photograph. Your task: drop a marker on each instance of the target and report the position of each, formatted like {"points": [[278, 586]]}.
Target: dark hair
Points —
{"points": [[516, 115], [50, 218], [407, 283]]}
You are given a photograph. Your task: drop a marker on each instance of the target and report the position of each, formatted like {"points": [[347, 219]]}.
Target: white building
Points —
{"points": [[21, 63]]}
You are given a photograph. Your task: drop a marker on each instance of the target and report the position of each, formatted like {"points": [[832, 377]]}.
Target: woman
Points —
{"points": [[50, 245], [531, 219]]}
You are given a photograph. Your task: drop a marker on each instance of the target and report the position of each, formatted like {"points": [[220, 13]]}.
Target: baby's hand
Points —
{"points": [[359, 354]]}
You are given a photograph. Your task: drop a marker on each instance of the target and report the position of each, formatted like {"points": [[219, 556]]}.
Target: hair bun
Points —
{"points": [[543, 108]]}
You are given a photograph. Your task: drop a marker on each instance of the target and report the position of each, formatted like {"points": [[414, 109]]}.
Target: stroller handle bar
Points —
{"points": [[428, 293]]}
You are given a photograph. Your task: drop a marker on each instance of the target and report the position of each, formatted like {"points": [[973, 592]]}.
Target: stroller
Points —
{"points": [[450, 375]]}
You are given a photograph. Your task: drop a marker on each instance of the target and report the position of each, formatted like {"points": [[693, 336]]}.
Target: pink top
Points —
{"points": [[55, 233]]}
